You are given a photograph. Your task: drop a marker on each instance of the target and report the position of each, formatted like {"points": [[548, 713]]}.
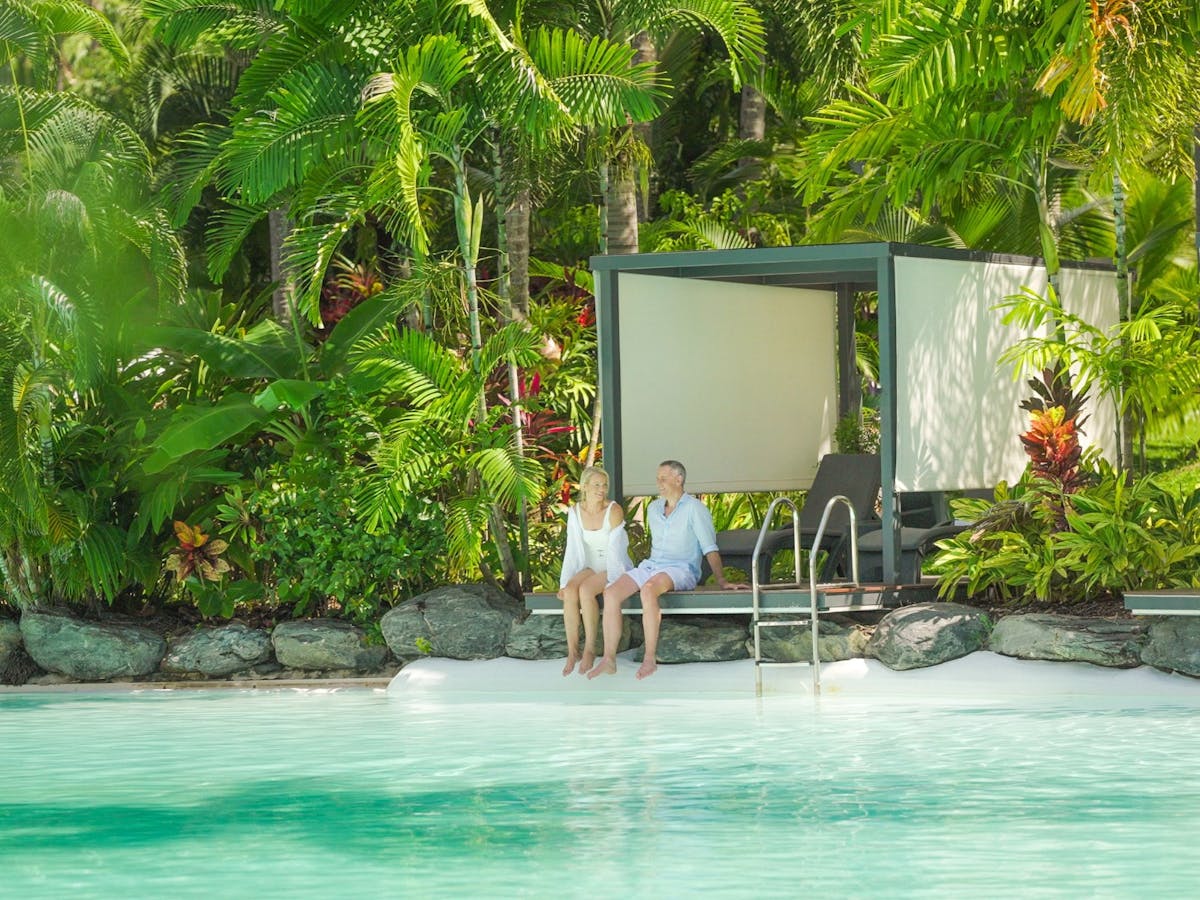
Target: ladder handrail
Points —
{"points": [[814, 613], [756, 585], [812, 575]]}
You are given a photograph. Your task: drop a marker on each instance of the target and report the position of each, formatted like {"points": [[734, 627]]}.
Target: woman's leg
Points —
{"points": [[571, 601], [589, 607]]}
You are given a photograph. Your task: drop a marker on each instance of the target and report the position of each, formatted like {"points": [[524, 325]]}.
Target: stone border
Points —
{"points": [[475, 622]]}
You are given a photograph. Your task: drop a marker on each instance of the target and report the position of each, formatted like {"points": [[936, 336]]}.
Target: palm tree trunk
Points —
{"points": [[603, 211], [752, 116], [469, 223], [1124, 305], [284, 299], [516, 220], [622, 210], [508, 287], [644, 52]]}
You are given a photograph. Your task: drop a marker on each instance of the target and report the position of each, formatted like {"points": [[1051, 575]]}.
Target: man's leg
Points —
{"points": [[614, 595], [652, 620]]}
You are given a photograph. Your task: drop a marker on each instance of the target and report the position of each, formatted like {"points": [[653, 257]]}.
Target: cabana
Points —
{"points": [[741, 362]]}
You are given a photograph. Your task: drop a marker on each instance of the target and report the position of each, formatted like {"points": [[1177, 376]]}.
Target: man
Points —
{"points": [[681, 531]]}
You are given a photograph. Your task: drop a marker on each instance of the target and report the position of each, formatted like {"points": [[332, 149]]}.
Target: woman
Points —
{"points": [[597, 553]]}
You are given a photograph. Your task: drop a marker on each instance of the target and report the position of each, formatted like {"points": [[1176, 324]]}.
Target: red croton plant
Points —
{"points": [[196, 554], [1052, 441]]}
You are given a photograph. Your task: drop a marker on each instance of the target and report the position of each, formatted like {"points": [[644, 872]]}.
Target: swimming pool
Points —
{"points": [[363, 793]]}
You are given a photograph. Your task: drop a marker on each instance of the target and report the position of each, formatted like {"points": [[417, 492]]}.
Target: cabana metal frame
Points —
{"points": [[845, 270]]}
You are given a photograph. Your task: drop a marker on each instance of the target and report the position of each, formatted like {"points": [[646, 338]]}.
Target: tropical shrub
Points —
{"points": [[439, 439], [1120, 536], [87, 257], [1073, 526], [299, 530], [320, 556]]}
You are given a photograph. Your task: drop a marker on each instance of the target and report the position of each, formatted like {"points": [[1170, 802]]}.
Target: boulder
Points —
{"points": [[460, 621], [217, 652], [927, 634], [10, 640], [543, 637], [90, 651], [793, 643], [16, 667], [323, 644], [1116, 643], [1173, 644], [695, 639]]}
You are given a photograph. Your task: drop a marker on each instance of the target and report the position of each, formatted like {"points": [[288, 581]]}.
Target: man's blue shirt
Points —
{"points": [[682, 538]]}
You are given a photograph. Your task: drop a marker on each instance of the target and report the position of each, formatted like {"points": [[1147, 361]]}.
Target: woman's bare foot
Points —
{"points": [[649, 667], [572, 659], [606, 666], [586, 662]]}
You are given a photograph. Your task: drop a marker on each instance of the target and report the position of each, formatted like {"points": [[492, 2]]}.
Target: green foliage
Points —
{"points": [[87, 261], [858, 432], [437, 440], [1120, 536], [307, 536], [1148, 366], [731, 221]]}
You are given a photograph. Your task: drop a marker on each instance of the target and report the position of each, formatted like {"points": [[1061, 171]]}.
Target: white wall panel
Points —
{"points": [[958, 410], [738, 382]]}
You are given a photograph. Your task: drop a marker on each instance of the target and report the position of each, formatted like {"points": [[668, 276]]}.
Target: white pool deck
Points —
{"points": [[981, 676], [984, 676]]}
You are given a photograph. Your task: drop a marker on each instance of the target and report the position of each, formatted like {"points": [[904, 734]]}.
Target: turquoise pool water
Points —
{"points": [[373, 794]]}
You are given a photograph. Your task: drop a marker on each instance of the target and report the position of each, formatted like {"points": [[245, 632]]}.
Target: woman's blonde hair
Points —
{"points": [[592, 472]]}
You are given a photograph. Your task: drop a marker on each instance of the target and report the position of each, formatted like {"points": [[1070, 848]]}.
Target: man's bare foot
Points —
{"points": [[586, 663], [606, 666], [572, 659], [649, 667]]}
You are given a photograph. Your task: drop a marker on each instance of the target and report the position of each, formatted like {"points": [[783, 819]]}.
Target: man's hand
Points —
{"points": [[731, 586]]}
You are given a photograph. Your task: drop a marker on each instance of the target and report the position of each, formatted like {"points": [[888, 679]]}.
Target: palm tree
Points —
{"points": [[438, 444], [86, 258], [950, 115], [646, 24]]}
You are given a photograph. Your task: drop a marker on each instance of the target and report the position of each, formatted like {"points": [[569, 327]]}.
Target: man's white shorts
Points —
{"points": [[681, 579]]}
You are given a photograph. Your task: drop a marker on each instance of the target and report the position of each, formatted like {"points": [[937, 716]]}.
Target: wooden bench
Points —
{"points": [[1183, 602], [775, 599]]}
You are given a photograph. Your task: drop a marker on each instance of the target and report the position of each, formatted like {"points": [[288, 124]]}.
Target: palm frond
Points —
{"points": [[25, 33], [184, 22], [227, 231], [309, 117], [195, 162], [595, 80]]}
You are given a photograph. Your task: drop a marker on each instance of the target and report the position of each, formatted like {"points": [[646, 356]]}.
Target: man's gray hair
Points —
{"points": [[675, 466]]}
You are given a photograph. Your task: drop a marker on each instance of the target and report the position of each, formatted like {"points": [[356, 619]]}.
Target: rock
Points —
{"points": [[927, 634], [793, 643], [461, 621], [323, 644], [1116, 643], [217, 652], [695, 639], [543, 637], [1173, 644], [90, 651], [10, 640], [16, 666]]}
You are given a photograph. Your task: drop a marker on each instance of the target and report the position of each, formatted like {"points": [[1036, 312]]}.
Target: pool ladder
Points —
{"points": [[757, 622]]}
